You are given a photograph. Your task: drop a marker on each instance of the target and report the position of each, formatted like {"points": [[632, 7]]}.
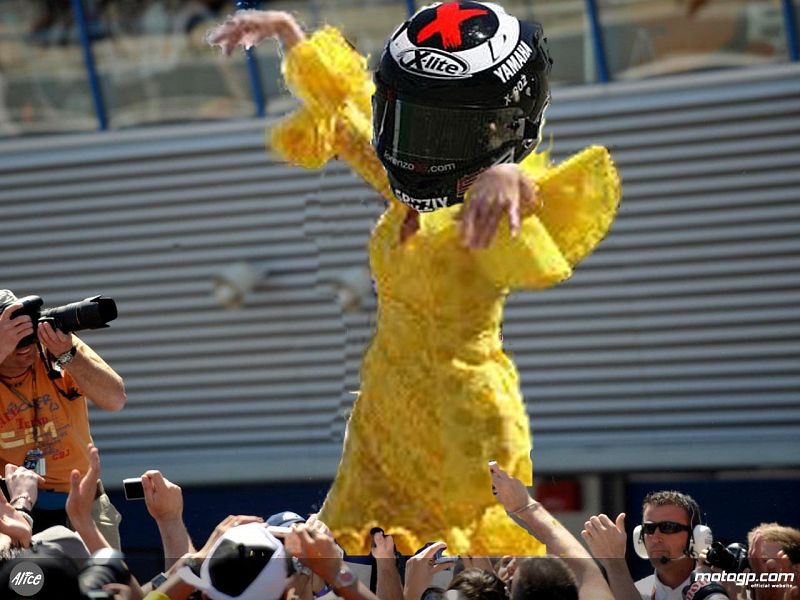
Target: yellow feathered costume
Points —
{"points": [[439, 398]]}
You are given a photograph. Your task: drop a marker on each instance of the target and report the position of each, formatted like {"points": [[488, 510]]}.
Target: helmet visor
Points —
{"points": [[411, 132]]}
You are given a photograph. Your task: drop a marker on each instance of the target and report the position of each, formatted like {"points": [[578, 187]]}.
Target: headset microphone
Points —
{"points": [[666, 559]]}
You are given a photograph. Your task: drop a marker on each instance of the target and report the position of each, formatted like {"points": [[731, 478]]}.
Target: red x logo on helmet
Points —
{"points": [[448, 24]]}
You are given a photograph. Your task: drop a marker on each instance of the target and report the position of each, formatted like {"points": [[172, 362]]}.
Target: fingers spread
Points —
{"points": [[605, 521]]}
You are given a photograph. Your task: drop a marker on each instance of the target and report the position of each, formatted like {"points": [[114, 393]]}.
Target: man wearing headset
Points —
{"points": [[670, 537]]}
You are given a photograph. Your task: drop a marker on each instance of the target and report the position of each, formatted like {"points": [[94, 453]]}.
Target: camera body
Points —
{"points": [[731, 559], [91, 313], [107, 565], [134, 490]]}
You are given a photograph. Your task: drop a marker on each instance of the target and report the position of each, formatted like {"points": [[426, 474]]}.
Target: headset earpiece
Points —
{"points": [[700, 540], [638, 543]]}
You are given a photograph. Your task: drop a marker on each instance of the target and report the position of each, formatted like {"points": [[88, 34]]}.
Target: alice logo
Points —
{"points": [[26, 579]]}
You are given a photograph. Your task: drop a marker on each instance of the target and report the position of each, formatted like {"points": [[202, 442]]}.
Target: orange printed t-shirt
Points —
{"points": [[62, 425]]}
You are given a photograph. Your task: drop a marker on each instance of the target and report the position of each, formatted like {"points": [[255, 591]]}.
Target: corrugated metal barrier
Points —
{"points": [[676, 345]]}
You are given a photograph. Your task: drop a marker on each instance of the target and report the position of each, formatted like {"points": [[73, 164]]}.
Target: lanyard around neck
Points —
{"points": [[33, 402]]}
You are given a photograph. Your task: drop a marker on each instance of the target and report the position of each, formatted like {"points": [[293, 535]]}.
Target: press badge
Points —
{"points": [[35, 461]]}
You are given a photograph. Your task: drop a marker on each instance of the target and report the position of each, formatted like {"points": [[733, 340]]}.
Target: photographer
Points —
{"points": [[46, 377]]}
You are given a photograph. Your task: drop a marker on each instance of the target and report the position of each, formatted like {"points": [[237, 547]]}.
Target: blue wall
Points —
{"points": [[731, 508]]}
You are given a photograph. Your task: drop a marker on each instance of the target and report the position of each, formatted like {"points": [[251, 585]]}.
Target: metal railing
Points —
{"points": [[605, 47]]}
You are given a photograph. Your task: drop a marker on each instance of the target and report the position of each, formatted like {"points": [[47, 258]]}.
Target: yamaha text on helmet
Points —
{"points": [[461, 86]]}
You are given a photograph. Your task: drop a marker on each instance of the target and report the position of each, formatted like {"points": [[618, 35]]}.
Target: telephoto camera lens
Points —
{"points": [[107, 565], [92, 313]]}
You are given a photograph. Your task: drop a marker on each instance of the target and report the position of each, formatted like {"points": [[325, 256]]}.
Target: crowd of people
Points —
{"points": [[57, 516], [290, 556]]}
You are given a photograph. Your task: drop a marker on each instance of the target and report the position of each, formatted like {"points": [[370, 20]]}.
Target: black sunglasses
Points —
{"points": [[666, 527]]}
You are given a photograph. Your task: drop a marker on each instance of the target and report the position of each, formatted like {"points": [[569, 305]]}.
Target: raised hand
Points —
{"points": [[248, 28], [82, 491], [383, 545], [420, 570], [13, 330], [164, 499], [605, 538], [23, 484], [13, 524], [510, 491], [315, 549], [55, 341], [506, 568], [313, 522]]}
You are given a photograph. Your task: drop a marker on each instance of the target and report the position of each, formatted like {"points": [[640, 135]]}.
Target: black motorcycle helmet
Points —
{"points": [[461, 86]]}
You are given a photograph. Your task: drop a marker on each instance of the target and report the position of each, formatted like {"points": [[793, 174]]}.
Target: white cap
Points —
{"points": [[226, 566]]}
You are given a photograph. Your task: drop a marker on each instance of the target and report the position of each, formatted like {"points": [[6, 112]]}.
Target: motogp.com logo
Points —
{"points": [[770, 579], [433, 63]]}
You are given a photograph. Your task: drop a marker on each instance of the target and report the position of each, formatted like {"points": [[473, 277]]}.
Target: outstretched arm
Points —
{"points": [[164, 501], [389, 584], [82, 490], [317, 550], [531, 515], [332, 80], [248, 28]]}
